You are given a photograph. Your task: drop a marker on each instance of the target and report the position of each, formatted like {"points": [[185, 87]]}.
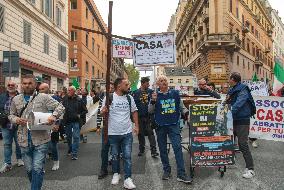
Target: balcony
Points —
{"points": [[200, 26], [259, 61], [245, 28], [269, 33], [205, 17], [267, 50], [229, 42]]}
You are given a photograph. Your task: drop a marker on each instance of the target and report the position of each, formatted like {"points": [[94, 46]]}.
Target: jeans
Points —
{"points": [[104, 153], [124, 143], [34, 159], [73, 130], [53, 147], [145, 129], [174, 134], [241, 130], [8, 136]]}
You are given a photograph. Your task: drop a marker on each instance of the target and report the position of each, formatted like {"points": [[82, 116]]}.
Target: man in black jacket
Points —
{"points": [[74, 110], [204, 89]]}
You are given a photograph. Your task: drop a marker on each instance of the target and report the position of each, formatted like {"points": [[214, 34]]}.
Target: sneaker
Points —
{"points": [[115, 179], [254, 144], [154, 154], [166, 176], [128, 184], [74, 157], [103, 174], [20, 162], [85, 139], [69, 153], [248, 174], [5, 168], [140, 153], [184, 179], [55, 166]]}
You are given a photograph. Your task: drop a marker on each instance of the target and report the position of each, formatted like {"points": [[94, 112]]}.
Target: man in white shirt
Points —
{"points": [[122, 111]]}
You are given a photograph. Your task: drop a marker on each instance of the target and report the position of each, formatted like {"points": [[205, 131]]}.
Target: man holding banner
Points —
{"points": [[243, 107]]}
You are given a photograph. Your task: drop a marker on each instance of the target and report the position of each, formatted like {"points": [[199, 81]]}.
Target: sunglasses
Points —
{"points": [[10, 85]]}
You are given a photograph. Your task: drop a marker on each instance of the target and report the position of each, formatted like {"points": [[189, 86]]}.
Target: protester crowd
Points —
{"points": [[151, 113]]}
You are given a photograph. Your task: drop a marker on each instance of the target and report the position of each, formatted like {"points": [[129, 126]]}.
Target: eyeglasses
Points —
{"points": [[10, 85]]}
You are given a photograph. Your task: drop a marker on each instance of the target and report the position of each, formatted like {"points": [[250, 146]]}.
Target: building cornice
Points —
{"points": [[41, 21], [263, 11], [93, 11]]}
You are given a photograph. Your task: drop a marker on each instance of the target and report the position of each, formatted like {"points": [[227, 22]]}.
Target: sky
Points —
{"points": [[132, 17]]}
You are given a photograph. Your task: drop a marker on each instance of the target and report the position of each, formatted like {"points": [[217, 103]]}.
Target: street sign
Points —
{"points": [[159, 49], [15, 65]]}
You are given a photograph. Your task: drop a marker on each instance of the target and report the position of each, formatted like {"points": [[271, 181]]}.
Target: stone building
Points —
{"points": [[38, 30], [217, 37]]}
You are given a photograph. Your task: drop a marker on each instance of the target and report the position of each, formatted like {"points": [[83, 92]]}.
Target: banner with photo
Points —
{"points": [[158, 49]]}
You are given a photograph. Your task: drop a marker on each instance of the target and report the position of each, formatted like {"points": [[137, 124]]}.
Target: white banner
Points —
{"points": [[144, 68], [269, 119], [122, 48], [159, 49], [258, 88]]}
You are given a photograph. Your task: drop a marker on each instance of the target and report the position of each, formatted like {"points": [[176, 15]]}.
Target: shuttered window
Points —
{"points": [[27, 32], [46, 44], [61, 53], [1, 18], [48, 8], [58, 16]]}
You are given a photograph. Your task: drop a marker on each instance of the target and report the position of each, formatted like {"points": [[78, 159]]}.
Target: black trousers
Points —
{"points": [[241, 130], [145, 129]]}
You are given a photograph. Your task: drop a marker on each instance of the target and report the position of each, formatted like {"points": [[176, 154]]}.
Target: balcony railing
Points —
{"points": [[259, 61], [219, 40]]}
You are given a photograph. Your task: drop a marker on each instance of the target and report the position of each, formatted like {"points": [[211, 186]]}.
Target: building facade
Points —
{"points": [[217, 37], [278, 36], [88, 51], [38, 30]]}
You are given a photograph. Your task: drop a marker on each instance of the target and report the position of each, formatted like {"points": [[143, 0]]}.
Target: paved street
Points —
{"points": [[147, 172]]}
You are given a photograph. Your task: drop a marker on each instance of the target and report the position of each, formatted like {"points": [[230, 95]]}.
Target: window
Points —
{"points": [[73, 4], [102, 75], [87, 12], [73, 36], [171, 81], [46, 44], [238, 60], [102, 56], [73, 63], [248, 66], [231, 6], [187, 81], [244, 64], [98, 74], [93, 70], [93, 44], [1, 18], [179, 80], [27, 32], [32, 1], [61, 53], [87, 67], [48, 8], [58, 16], [98, 51], [87, 39], [93, 23]]}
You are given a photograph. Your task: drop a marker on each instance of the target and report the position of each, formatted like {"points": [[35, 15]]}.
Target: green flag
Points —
{"points": [[89, 86], [75, 83], [254, 78]]}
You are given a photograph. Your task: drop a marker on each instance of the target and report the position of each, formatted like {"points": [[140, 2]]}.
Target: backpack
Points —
{"points": [[252, 105], [129, 102]]}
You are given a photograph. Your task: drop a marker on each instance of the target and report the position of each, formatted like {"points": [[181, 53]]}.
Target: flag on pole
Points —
{"points": [[254, 78], [75, 83], [278, 77]]}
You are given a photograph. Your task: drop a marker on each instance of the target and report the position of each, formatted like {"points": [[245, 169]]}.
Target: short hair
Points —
{"points": [[117, 82], [29, 76], [202, 80], [161, 77], [73, 87], [235, 76], [144, 80]]}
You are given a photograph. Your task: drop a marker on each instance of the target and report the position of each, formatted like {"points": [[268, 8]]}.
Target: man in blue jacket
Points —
{"points": [[142, 98], [243, 107], [167, 106]]}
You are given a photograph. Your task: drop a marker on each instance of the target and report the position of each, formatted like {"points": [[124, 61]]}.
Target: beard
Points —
{"points": [[11, 90]]}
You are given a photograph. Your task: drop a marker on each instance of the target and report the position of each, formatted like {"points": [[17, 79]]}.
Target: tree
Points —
{"points": [[133, 75]]}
